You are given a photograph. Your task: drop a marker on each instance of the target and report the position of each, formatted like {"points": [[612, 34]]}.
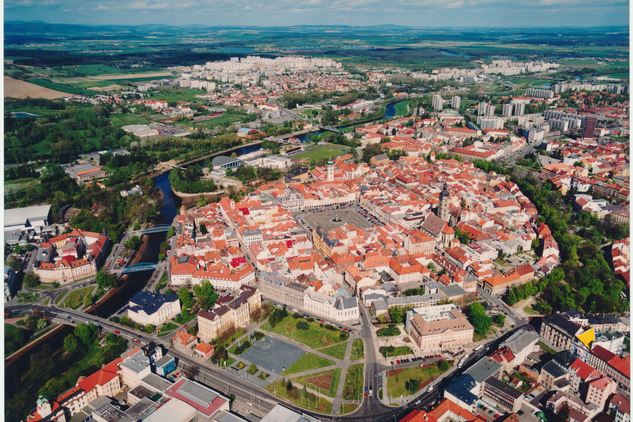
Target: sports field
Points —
{"points": [[317, 154]]}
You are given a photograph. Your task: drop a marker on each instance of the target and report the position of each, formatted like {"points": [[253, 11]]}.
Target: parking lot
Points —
{"points": [[351, 214]]}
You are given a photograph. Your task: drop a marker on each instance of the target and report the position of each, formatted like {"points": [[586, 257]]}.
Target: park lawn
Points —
{"points": [[238, 333], [314, 337], [73, 300], [163, 334], [337, 351], [10, 329], [401, 108], [398, 351], [323, 405], [353, 388], [128, 119], [387, 332], [183, 320], [319, 153], [307, 362], [28, 297], [58, 299], [358, 349], [336, 377], [168, 326], [348, 408], [396, 384]]}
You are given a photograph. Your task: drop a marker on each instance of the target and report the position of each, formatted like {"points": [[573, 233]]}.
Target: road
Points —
{"points": [[228, 383]]}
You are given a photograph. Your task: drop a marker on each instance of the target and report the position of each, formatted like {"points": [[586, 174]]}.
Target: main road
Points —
{"points": [[226, 382]]}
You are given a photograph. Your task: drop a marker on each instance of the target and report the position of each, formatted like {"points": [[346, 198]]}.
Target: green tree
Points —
{"points": [[86, 333], [289, 385], [500, 319], [71, 345], [31, 280], [41, 324], [302, 325], [53, 388], [563, 413], [413, 385], [134, 243], [203, 228], [444, 366], [87, 300], [185, 297]]}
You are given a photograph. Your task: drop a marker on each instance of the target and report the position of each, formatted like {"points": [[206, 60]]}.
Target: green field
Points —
{"points": [[331, 392], [358, 349], [216, 122], [579, 63], [179, 94], [73, 300], [618, 75], [353, 388], [401, 108], [28, 297], [319, 153], [337, 351], [99, 69], [315, 336], [59, 87], [100, 83], [307, 362], [318, 403], [128, 119], [396, 385]]}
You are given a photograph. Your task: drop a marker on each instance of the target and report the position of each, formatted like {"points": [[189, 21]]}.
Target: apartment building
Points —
{"points": [[502, 395], [448, 333], [559, 331], [229, 311]]}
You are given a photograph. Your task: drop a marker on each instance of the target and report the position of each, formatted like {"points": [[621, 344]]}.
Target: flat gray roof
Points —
{"points": [[156, 382], [19, 216], [142, 409], [483, 369], [197, 393]]}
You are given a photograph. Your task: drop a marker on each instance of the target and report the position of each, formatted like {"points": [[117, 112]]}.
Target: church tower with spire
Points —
{"points": [[443, 207]]}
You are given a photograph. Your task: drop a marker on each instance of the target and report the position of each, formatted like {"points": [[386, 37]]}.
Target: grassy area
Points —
{"points": [[230, 119], [311, 402], [60, 87], [73, 300], [168, 326], [401, 108], [58, 299], [307, 362], [238, 333], [528, 310], [28, 297], [348, 408], [353, 388], [380, 393], [182, 319], [179, 94], [337, 351], [164, 334], [123, 80], [397, 351], [128, 119], [547, 348], [263, 375], [312, 381], [388, 332], [358, 349], [319, 153], [618, 75], [396, 385], [579, 64], [18, 181], [315, 336]]}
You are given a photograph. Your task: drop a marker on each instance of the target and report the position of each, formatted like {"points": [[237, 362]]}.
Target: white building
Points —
{"points": [[456, 102], [438, 102], [153, 308], [507, 110]]}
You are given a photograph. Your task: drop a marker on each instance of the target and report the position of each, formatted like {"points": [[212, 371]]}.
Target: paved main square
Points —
{"points": [[324, 219], [272, 355]]}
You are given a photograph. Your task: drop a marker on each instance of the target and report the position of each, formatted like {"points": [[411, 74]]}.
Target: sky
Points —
{"points": [[421, 13]]}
